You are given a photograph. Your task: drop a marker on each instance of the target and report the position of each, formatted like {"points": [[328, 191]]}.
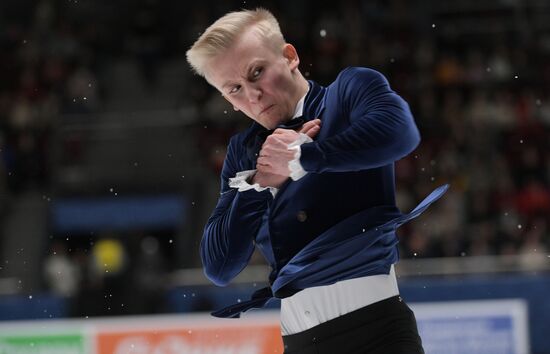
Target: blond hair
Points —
{"points": [[225, 32]]}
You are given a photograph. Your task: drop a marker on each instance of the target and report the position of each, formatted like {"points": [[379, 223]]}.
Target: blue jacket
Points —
{"points": [[337, 222]]}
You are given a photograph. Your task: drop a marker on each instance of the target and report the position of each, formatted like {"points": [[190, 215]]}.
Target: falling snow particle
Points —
{"points": [[538, 102], [519, 226], [433, 25], [392, 60], [323, 33], [488, 70], [171, 241], [30, 297], [521, 141], [515, 77]]}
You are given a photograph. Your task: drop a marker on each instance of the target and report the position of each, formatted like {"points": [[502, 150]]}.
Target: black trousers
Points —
{"points": [[385, 327]]}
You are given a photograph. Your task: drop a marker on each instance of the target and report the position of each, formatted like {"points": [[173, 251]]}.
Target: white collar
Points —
{"points": [[300, 106]]}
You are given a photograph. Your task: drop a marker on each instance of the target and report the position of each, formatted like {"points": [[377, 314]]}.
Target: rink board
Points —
{"points": [[472, 327]]}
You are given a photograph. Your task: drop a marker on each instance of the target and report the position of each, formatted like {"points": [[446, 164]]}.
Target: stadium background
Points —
{"points": [[111, 148]]}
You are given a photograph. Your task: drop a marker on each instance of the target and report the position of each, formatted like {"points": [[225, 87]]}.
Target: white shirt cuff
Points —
{"points": [[295, 167], [240, 182]]}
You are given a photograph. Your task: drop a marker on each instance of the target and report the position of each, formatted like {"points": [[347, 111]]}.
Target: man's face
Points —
{"points": [[259, 80]]}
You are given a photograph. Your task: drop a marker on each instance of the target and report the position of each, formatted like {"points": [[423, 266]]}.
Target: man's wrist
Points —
{"points": [[245, 181]]}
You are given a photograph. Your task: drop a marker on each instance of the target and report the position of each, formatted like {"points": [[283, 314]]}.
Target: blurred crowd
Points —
{"points": [[476, 81]]}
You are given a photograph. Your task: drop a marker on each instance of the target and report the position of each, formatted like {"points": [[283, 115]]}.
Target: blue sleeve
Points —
{"points": [[381, 127], [228, 240]]}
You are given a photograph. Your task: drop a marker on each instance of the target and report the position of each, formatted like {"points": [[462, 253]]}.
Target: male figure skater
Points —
{"points": [[311, 183]]}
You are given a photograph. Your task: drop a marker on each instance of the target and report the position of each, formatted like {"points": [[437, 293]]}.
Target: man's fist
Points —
{"points": [[275, 155]]}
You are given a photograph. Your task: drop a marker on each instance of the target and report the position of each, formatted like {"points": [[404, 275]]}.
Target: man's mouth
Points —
{"points": [[266, 109]]}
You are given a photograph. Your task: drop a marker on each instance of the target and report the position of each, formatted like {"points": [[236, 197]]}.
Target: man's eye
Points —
{"points": [[257, 72], [235, 89]]}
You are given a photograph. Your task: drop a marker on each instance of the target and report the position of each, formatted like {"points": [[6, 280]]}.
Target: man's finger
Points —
{"points": [[309, 125], [262, 161], [313, 131], [280, 131]]}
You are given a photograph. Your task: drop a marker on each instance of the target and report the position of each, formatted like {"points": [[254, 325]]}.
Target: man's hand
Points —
{"points": [[275, 155]]}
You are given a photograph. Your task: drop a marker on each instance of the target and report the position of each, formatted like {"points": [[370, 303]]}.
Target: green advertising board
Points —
{"points": [[42, 344]]}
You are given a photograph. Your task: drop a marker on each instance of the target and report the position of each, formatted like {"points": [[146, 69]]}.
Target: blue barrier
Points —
{"points": [[36, 306]]}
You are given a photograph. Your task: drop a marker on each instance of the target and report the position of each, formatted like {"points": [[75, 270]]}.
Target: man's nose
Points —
{"points": [[254, 94]]}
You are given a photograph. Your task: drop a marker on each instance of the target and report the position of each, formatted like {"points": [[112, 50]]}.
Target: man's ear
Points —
{"points": [[291, 56], [227, 99]]}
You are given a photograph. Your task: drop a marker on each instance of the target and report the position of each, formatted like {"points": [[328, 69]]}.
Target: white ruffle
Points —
{"points": [[295, 167], [240, 182]]}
